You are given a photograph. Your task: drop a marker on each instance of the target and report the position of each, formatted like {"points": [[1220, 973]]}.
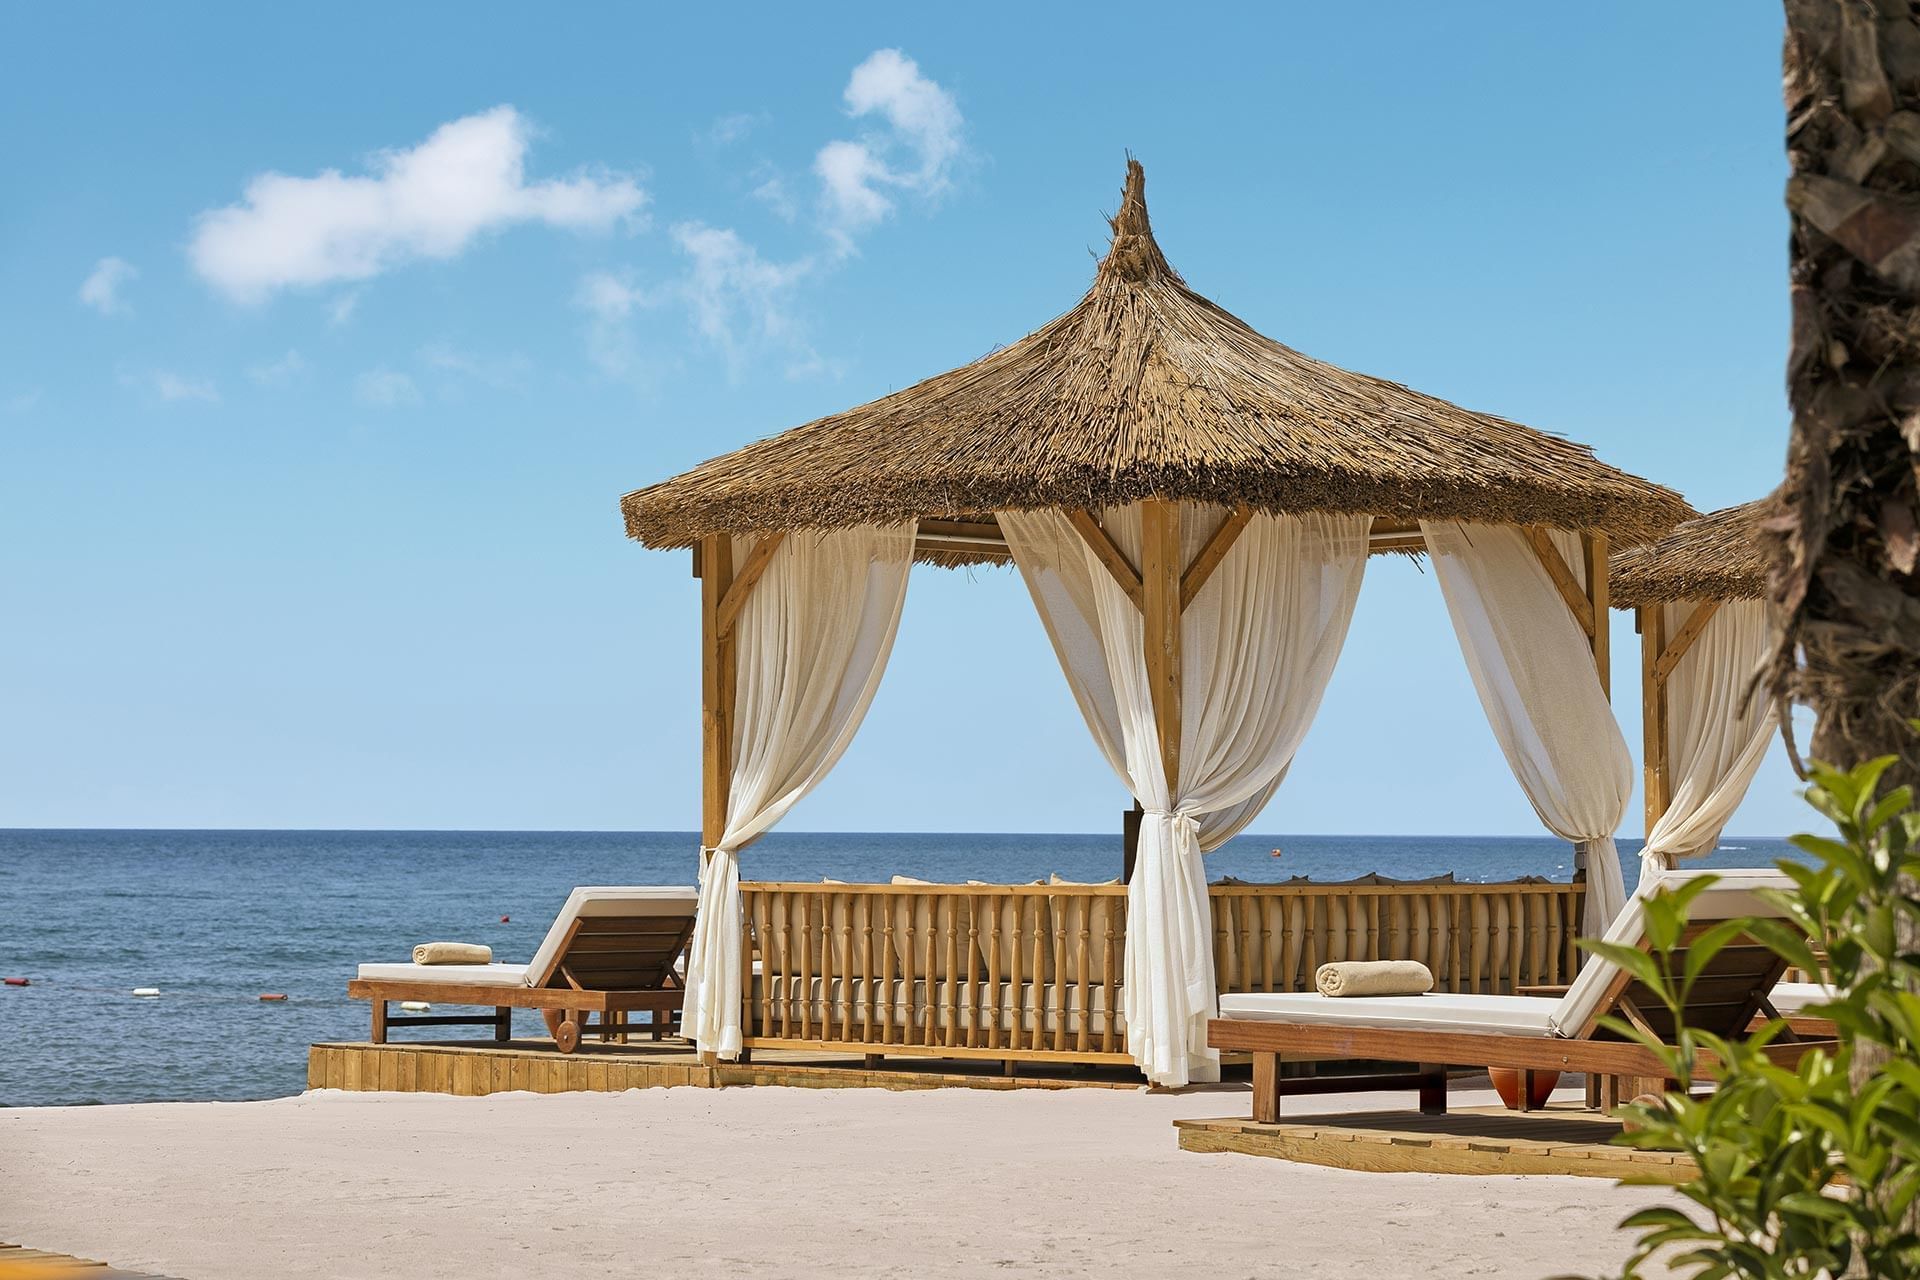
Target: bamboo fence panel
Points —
{"points": [[1033, 972]]}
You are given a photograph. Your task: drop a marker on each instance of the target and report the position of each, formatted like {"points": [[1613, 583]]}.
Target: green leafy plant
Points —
{"points": [[1801, 1171]]}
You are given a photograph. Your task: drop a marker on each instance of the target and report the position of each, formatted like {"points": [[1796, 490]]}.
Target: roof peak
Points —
{"points": [[1134, 255]]}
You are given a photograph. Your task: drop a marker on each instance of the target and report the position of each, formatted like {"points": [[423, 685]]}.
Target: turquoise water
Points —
{"points": [[214, 918]]}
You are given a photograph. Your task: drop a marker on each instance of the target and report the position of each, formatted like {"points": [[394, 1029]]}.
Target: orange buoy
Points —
{"points": [[506, 919], [273, 995], [16, 982]]}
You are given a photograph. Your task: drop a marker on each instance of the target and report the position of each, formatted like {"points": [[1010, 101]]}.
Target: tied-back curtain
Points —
{"points": [[810, 644], [1532, 665], [1718, 728], [1257, 647]]}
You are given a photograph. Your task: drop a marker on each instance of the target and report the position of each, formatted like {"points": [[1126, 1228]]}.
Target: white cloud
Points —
{"points": [[165, 386], [385, 389], [275, 372], [22, 402], [773, 193], [921, 118], [730, 129], [340, 310], [610, 299], [171, 386], [101, 289], [735, 294], [502, 373], [431, 201]]}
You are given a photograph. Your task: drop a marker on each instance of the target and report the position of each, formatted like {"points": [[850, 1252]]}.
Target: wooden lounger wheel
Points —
{"points": [[566, 1036]]}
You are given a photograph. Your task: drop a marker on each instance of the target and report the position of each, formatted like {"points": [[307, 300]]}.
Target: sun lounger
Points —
{"points": [[611, 951], [1525, 1033]]}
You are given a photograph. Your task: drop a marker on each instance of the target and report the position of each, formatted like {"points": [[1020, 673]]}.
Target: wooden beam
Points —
{"points": [[1097, 540], [749, 573], [1570, 589], [1160, 564], [1599, 602], [717, 676], [1655, 735], [1676, 648], [1213, 553], [947, 546], [987, 528]]}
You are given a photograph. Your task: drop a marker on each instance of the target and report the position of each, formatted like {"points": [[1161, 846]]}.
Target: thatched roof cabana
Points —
{"points": [[1144, 389], [1191, 507], [1714, 557]]}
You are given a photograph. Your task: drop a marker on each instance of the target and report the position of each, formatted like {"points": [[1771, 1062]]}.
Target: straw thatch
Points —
{"points": [[1716, 557], [1146, 388]]}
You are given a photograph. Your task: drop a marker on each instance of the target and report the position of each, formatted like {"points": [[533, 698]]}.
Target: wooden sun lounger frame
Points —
{"points": [[1624, 1069], [565, 998]]}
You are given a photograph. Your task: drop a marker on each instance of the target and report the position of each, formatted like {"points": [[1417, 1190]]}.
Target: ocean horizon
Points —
{"points": [[216, 917]]}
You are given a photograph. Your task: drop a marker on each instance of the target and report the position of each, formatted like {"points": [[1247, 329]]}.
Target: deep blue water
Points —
{"points": [[214, 918]]}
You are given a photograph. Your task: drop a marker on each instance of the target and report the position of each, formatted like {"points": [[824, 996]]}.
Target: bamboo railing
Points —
{"points": [[1033, 972]]}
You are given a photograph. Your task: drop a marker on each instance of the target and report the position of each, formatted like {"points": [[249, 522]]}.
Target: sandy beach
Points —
{"points": [[764, 1182]]}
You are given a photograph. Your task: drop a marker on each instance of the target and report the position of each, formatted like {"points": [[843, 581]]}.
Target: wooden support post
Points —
{"points": [[1160, 573], [379, 1033], [1594, 547], [717, 676], [503, 1022], [1656, 735], [1266, 1088], [1433, 1089]]}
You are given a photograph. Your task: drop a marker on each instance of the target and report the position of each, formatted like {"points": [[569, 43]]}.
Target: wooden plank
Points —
{"points": [[1689, 631], [1655, 726], [1467, 1144], [1095, 536], [1213, 553], [716, 689], [1570, 589], [741, 588], [1160, 607], [1599, 634]]}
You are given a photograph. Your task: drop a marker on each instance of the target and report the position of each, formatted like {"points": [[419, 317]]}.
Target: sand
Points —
{"points": [[756, 1182]]}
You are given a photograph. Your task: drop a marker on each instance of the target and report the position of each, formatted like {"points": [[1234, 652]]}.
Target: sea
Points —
{"points": [[215, 919]]}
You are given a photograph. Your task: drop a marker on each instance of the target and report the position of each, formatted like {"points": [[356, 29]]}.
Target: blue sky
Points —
{"points": [[327, 347]]}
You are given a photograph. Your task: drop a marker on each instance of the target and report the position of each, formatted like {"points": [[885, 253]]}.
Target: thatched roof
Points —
{"points": [[1145, 389], [1716, 557]]}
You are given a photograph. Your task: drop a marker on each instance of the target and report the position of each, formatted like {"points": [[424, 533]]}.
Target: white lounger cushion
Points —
{"points": [[1435, 1011], [1791, 997], [1731, 895], [609, 900], [485, 975]]}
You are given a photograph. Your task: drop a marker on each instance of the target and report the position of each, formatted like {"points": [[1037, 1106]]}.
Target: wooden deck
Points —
{"points": [[474, 1067], [19, 1263], [1475, 1140]]}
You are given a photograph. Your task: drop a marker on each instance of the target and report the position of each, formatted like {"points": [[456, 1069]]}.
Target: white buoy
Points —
{"points": [[411, 1006], [146, 991]]}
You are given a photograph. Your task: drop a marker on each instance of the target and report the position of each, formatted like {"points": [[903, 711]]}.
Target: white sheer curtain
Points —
{"points": [[811, 645], [1257, 647], [1533, 668], [1717, 735]]}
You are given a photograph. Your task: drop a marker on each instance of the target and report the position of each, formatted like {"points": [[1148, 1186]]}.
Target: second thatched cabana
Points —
{"points": [[1191, 506], [1699, 595]]}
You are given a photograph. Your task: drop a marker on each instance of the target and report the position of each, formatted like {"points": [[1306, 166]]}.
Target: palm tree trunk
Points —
{"points": [[1846, 543]]}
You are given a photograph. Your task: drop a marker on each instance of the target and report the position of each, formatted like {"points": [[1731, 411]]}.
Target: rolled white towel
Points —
{"points": [[1373, 978], [452, 953]]}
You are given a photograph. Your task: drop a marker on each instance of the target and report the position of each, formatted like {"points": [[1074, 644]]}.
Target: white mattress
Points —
{"points": [[1792, 997], [1435, 1011], [486, 975]]}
